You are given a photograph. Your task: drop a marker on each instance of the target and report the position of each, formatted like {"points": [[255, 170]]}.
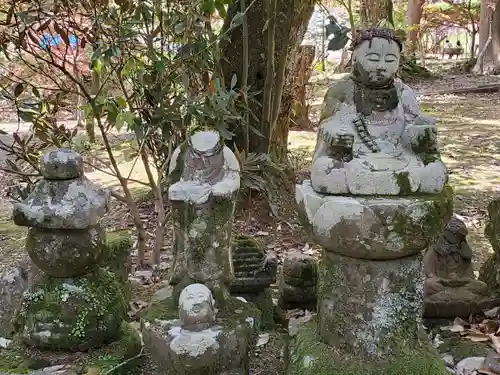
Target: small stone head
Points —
{"points": [[196, 307], [376, 56], [455, 231]]}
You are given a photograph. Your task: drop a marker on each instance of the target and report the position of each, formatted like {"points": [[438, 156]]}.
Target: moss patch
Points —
{"points": [[78, 314], [489, 274], [116, 253], [308, 355]]}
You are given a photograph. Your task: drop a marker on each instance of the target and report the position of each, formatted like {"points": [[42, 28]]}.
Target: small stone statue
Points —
{"points": [[297, 286], [206, 175], [450, 289], [372, 137], [200, 342], [196, 307]]}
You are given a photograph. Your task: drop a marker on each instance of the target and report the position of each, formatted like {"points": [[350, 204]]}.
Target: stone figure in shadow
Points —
{"points": [[451, 288]]}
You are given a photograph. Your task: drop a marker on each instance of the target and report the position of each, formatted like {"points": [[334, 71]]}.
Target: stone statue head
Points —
{"points": [[376, 56], [196, 307]]}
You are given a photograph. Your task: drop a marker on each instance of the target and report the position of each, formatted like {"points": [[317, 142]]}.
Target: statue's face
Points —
{"points": [[377, 60]]}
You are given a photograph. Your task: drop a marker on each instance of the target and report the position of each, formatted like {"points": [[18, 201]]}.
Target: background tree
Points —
{"points": [[277, 28], [488, 59], [375, 12]]}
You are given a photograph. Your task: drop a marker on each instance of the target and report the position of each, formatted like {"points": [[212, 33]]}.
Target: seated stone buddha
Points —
{"points": [[372, 138], [451, 288]]}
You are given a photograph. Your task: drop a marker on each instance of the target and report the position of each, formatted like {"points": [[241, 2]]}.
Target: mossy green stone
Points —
{"points": [[308, 355], [202, 246], [72, 314], [116, 257], [378, 227]]}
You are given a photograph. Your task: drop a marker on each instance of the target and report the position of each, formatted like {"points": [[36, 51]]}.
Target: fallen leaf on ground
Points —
{"points": [[478, 337], [496, 342], [263, 339], [493, 313]]}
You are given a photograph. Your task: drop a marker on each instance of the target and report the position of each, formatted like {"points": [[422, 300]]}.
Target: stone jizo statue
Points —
{"points": [[196, 307], [372, 137], [450, 288]]}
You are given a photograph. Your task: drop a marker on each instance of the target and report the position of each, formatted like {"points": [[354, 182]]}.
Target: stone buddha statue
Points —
{"points": [[450, 287], [372, 137]]}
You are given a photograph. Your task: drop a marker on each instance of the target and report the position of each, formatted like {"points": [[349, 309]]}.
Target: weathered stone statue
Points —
{"points": [[203, 201], [215, 330], [297, 283], [372, 137], [373, 147], [197, 343], [74, 305], [451, 289]]}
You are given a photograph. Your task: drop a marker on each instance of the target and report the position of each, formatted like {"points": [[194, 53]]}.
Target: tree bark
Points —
{"points": [[412, 20], [488, 60], [294, 109], [374, 11], [290, 26]]}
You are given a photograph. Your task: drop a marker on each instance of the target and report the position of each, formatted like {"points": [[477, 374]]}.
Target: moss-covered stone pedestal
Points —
{"points": [[370, 287], [20, 359], [307, 355], [73, 313], [220, 347]]}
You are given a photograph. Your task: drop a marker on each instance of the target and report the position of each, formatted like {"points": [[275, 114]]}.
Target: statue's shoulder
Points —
{"points": [[403, 87]]}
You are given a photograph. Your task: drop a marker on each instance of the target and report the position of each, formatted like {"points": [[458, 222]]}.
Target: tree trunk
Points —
{"points": [[488, 60], [290, 26], [412, 21], [294, 110], [473, 43], [374, 11]]}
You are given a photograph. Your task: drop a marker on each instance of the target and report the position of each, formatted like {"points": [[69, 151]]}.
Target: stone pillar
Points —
{"points": [[370, 288], [74, 305], [203, 201]]}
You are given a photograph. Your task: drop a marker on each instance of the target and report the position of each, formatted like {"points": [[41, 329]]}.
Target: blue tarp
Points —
{"points": [[55, 39]]}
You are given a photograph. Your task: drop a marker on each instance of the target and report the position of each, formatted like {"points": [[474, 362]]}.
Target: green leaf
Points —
{"points": [[18, 89], [96, 65], [234, 80], [221, 9], [124, 117], [237, 20], [121, 102]]}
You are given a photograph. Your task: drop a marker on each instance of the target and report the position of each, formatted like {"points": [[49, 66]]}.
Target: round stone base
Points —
{"points": [[374, 227], [308, 355], [365, 306], [72, 314]]}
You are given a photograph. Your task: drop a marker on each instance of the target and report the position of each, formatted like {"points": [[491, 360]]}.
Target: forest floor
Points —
{"points": [[469, 134]]}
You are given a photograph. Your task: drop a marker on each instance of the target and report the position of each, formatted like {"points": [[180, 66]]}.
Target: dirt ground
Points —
{"points": [[469, 127]]}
